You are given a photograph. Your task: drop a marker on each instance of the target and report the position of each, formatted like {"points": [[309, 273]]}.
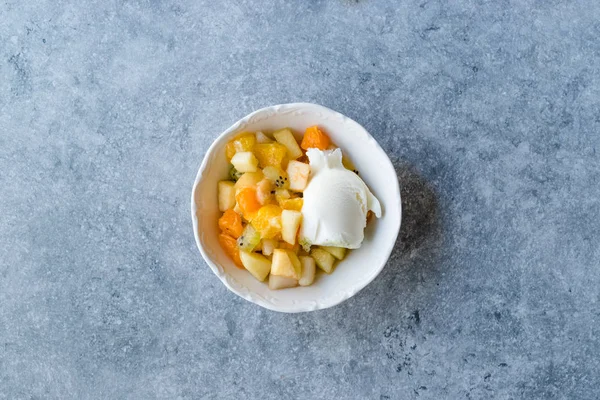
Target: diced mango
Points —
{"points": [[292, 204], [243, 142], [315, 138], [270, 154], [267, 221]]}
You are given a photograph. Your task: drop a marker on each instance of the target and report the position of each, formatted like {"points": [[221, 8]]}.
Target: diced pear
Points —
{"points": [[268, 245], [295, 262], [337, 252], [286, 138], [290, 222], [308, 271], [249, 179], [281, 282], [262, 138], [245, 161], [298, 175], [263, 191], [323, 259], [226, 191], [283, 265], [257, 265]]}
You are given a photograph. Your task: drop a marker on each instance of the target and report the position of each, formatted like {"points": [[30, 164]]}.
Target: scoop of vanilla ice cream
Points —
{"points": [[336, 202]]}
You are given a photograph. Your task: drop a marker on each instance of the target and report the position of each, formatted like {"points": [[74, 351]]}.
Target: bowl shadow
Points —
{"points": [[420, 220], [413, 259]]}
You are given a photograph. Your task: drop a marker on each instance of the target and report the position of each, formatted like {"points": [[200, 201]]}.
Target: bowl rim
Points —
{"points": [[258, 300]]}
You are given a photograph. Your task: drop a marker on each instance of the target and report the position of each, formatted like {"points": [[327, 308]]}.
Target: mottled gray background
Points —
{"points": [[490, 111]]}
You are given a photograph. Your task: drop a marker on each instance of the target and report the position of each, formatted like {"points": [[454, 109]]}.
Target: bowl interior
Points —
{"points": [[360, 267]]}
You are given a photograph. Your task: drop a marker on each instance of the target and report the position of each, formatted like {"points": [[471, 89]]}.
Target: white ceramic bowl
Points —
{"points": [[353, 273]]}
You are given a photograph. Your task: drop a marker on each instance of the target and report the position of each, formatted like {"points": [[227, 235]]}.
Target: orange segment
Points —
{"points": [[230, 246], [247, 202], [315, 138], [231, 223], [268, 221]]}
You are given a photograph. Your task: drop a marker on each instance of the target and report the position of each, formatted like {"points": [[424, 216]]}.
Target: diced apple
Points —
{"points": [[262, 138], [286, 138], [263, 191], [308, 271], [337, 252], [249, 179], [281, 282], [290, 222], [284, 266], [268, 245], [298, 174], [226, 191], [257, 265], [323, 259], [245, 161]]}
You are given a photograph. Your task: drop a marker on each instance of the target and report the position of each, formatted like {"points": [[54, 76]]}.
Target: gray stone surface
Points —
{"points": [[490, 111]]}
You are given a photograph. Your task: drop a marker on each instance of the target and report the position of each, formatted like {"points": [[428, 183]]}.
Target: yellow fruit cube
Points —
{"points": [[298, 174], [286, 263], [286, 138], [268, 221], [243, 142], [270, 154], [291, 204], [249, 179]]}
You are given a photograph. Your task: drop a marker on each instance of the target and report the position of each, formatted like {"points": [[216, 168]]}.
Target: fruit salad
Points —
{"points": [[290, 207]]}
